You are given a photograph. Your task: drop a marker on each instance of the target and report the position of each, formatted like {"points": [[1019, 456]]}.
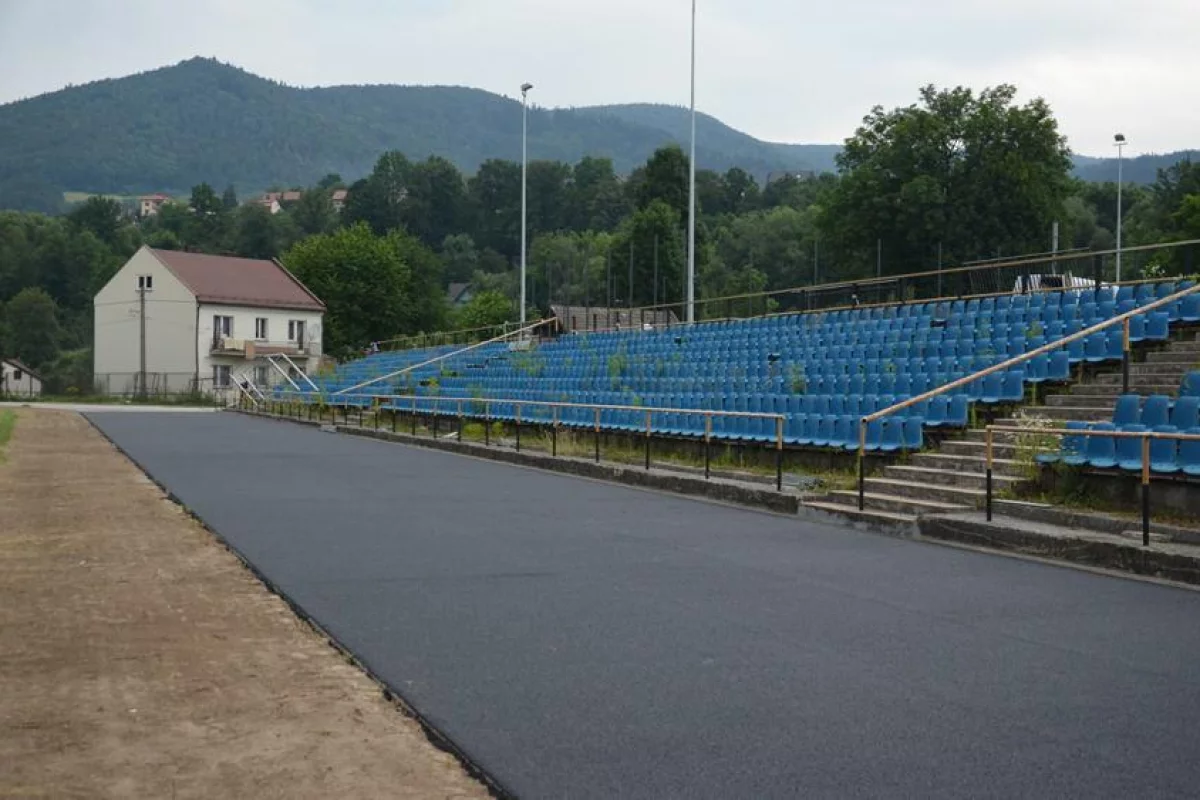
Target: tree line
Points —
{"points": [[956, 176]]}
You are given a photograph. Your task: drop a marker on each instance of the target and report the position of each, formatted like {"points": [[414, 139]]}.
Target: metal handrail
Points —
{"points": [[1145, 436], [444, 356], [596, 408], [1122, 319]]}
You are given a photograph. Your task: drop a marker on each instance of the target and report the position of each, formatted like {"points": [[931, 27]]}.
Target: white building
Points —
{"points": [[18, 380], [206, 322]]}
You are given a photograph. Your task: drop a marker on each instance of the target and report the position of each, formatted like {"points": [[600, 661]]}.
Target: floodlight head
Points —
{"points": [[525, 87], [1119, 138]]}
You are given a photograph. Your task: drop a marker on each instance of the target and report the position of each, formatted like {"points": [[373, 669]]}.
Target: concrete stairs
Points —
{"points": [[951, 478]]}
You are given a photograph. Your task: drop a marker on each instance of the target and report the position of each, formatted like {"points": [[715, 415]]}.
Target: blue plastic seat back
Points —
{"points": [[1129, 449], [1164, 453], [914, 433], [1126, 411], [1102, 450], [1156, 411], [1189, 453], [1186, 412], [1190, 385], [1074, 445]]}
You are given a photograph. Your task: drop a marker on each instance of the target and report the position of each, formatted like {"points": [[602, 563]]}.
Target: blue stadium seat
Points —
{"points": [[1071, 450], [1129, 449], [1156, 411], [1189, 453], [1164, 453], [1185, 413], [1102, 450], [1125, 412], [1190, 385]]}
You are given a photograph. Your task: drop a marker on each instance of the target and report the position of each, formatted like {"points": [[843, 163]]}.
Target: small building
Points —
{"points": [[459, 294], [204, 323], [148, 205], [339, 199], [18, 380]]}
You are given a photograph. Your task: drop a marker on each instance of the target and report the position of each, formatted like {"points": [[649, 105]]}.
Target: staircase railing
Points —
{"points": [[1120, 319], [1145, 436]]}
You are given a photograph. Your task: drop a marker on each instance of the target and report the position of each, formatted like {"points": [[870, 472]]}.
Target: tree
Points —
{"points": [[229, 200], [977, 173], [363, 280], [427, 286], [103, 216], [495, 196], [652, 230], [435, 203], [33, 331], [314, 213], [460, 257], [741, 191], [548, 196], [596, 200], [483, 310], [665, 178]]}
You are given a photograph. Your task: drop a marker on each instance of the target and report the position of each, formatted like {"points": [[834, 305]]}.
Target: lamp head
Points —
{"points": [[1119, 138], [525, 87]]}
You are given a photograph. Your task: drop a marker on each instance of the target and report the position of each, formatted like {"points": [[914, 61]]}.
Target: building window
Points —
{"points": [[145, 283], [221, 376], [260, 329], [296, 331], [222, 326], [260, 376], [17, 374]]}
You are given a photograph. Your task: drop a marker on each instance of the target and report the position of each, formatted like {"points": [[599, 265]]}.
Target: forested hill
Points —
{"points": [[203, 121]]}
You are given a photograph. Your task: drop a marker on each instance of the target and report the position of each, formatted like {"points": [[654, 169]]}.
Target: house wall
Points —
{"points": [[244, 328], [170, 330], [12, 386]]}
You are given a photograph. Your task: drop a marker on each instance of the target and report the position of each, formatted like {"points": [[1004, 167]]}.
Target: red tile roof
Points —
{"points": [[238, 281]]}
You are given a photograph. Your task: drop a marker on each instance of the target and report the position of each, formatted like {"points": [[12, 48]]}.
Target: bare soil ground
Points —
{"points": [[139, 658]]}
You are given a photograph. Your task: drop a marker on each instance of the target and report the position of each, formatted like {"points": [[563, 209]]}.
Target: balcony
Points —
{"points": [[254, 348]]}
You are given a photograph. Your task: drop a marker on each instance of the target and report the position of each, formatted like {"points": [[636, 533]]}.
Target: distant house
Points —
{"points": [[339, 199], [18, 380], [459, 294], [800, 175], [148, 205], [207, 321], [270, 201]]}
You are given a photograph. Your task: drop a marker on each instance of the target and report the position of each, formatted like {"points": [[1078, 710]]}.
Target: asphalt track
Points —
{"points": [[578, 639]]}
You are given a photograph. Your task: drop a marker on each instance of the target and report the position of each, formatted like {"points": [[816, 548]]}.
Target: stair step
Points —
{"points": [[923, 490], [1113, 390], [1064, 413], [1079, 401], [895, 504], [1159, 373], [976, 463], [972, 448], [1172, 356], [876, 517], [949, 477]]}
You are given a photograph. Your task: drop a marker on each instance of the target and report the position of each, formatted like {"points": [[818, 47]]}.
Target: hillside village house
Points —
{"points": [[18, 380], [148, 205], [208, 321]]}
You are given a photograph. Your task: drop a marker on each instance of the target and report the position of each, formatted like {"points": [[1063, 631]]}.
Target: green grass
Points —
{"points": [[8, 421]]}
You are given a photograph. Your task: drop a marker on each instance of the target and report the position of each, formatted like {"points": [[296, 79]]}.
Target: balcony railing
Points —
{"points": [[252, 348]]}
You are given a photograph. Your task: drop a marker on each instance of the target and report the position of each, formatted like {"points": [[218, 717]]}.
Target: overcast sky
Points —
{"points": [[785, 70]]}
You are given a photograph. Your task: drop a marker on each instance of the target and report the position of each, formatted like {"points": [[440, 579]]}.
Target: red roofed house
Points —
{"points": [[207, 321], [149, 204]]}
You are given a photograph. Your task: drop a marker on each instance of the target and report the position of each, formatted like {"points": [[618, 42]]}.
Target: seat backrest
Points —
{"points": [[1164, 452], [1186, 413], [1156, 410], [1189, 452], [1102, 447], [1129, 449], [1126, 410]]}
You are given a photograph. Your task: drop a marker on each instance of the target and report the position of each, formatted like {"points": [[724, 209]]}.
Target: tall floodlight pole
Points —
{"points": [[691, 271], [1120, 141], [525, 87]]}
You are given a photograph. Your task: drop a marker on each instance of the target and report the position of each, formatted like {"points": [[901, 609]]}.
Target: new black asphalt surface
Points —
{"points": [[579, 639]]}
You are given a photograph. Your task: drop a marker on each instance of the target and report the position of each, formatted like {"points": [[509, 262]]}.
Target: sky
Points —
{"points": [[782, 70]]}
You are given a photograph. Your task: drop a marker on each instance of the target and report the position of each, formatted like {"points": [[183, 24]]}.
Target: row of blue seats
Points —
{"points": [[1157, 410], [1167, 456]]}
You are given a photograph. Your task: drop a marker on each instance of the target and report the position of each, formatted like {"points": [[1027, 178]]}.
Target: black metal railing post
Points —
{"points": [[1125, 348], [707, 443], [1145, 491], [412, 420], [554, 432], [779, 454], [862, 457], [460, 421], [517, 418], [648, 414], [988, 436], [596, 433], [487, 424]]}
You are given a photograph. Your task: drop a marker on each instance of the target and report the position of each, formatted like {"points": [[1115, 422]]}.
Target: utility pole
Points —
{"points": [[691, 254], [142, 341], [525, 87]]}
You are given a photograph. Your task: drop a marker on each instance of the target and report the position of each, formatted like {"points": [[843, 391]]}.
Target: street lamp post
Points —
{"points": [[691, 266], [1120, 142], [525, 87]]}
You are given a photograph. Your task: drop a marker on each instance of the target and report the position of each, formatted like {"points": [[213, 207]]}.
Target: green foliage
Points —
{"points": [[977, 173], [365, 281], [8, 421], [484, 309], [34, 335]]}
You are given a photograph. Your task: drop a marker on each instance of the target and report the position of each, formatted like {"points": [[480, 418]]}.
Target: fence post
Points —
{"points": [[1125, 346], [487, 424], [779, 454], [1145, 491], [395, 414], [517, 417], [360, 416], [413, 418], [554, 432], [707, 443], [1097, 271], [648, 413], [596, 432], [862, 456], [460, 420], [437, 418], [988, 435]]}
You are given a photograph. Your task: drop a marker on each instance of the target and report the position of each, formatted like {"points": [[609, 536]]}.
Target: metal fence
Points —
{"points": [[154, 385]]}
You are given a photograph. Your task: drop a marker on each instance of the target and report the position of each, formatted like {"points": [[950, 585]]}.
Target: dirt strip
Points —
{"points": [[139, 658]]}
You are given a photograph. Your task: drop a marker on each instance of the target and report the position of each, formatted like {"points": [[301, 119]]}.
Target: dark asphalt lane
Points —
{"points": [[579, 639]]}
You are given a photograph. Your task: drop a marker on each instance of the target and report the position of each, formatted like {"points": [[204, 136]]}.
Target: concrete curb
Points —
{"points": [[716, 489], [1072, 547]]}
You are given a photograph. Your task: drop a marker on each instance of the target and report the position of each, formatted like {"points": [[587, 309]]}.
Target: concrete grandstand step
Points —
{"points": [[968, 463], [949, 477], [870, 516], [973, 498], [1173, 356], [1113, 390], [1081, 400], [894, 504], [1063, 413], [974, 449]]}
